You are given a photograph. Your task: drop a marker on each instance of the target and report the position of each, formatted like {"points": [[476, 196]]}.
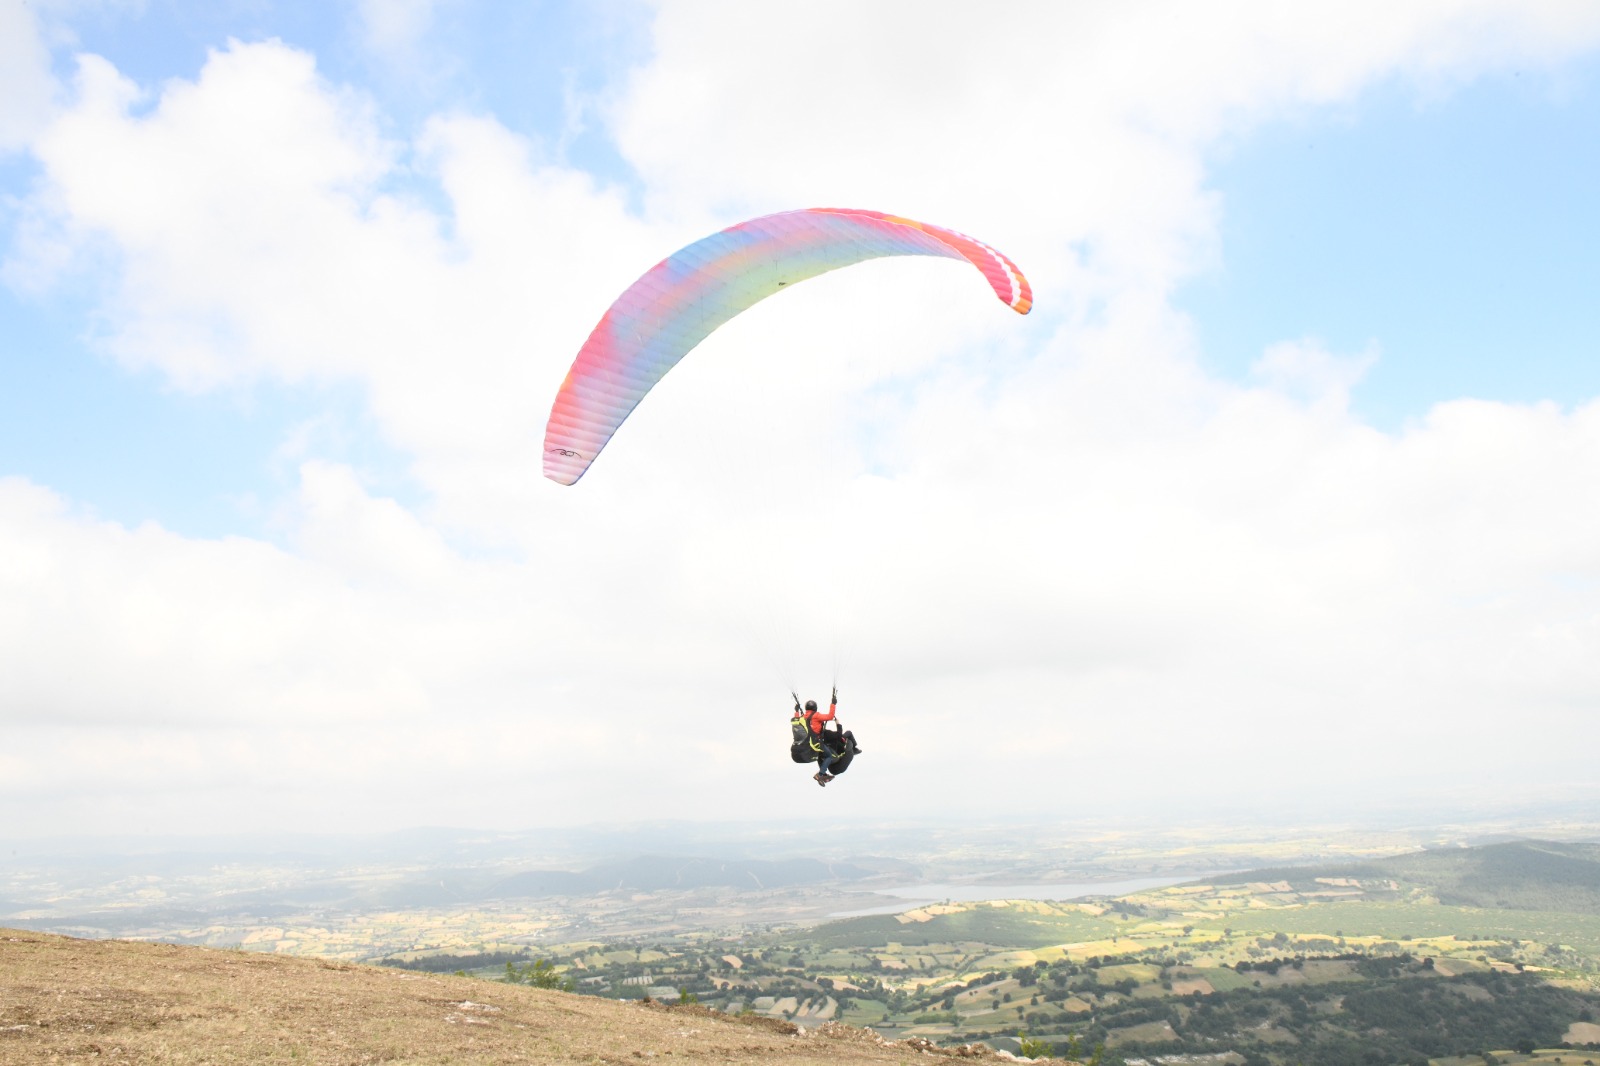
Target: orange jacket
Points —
{"points": [[816, 718]]}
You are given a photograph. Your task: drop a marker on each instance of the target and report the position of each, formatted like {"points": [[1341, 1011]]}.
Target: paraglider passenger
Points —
{"points": [[825, 754]]}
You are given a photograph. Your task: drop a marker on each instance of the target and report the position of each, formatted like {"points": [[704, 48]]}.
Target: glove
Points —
{"points": [[835, 694]]}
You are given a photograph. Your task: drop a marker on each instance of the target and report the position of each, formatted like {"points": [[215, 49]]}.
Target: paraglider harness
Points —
{"points": [[808, 746]]}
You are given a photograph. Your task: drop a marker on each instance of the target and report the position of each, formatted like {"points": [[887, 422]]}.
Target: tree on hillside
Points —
{"points": [[538, 974]]}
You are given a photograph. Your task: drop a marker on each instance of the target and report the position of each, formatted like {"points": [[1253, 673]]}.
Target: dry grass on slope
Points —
{"points": [[113, 1001]]}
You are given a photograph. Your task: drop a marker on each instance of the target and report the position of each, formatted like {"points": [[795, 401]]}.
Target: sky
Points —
{"points": [[1283, 501]]}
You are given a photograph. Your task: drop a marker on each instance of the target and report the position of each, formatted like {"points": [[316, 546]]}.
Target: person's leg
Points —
{"points": [[824, 760]]}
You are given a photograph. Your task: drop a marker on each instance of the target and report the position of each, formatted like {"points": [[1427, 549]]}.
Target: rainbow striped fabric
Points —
{"points": [[680, 300]]}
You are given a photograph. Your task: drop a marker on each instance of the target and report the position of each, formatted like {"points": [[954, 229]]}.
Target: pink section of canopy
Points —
{"points": [[683, 298]]}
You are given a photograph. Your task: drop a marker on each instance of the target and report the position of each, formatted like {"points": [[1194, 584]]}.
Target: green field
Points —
{"points": [[1002, 926], [1417, 921]]}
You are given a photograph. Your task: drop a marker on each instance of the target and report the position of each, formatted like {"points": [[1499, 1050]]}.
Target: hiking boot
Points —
{"points": [[821, 778]]}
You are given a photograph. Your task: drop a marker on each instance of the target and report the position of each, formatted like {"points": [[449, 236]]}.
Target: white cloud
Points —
{"points": [[1306, 368], [1056, 551], [242, 209], [395, 26], [257, 231], [1051, 124], [27, 87], [111, 626]]}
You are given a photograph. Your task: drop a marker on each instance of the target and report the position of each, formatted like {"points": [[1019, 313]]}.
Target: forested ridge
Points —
{"points": [[1392, 1010]]}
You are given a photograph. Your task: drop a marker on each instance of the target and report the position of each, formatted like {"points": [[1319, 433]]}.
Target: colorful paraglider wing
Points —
{"points": [[684, 297]]}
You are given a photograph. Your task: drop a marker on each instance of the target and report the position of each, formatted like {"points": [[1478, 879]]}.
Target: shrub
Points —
{"points": [[539, 974], [1029, 1048]]}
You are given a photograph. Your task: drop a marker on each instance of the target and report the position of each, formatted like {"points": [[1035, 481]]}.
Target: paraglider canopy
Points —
{"points": [[683, 298]]}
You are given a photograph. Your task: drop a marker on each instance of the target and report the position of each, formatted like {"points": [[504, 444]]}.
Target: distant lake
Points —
{"points": [[912, 896]]}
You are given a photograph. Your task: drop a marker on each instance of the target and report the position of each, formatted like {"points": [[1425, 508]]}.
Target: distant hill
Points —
{"points": [[999, 927], [644, 873], [121, 1001], [437, 888], [655, 873], [1516, 875]]}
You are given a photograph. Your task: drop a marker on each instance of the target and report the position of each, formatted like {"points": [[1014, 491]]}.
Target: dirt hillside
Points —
{"points": [[115, 1001]]}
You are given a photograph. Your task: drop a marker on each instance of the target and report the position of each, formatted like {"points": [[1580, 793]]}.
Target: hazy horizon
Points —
{"points": [[735, 837]]}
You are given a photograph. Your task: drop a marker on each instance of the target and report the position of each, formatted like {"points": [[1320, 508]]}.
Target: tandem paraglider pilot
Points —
{"points": [[833, 749]]}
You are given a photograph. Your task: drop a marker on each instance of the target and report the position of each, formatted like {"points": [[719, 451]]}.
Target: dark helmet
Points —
{"points": [[811, 705]]}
